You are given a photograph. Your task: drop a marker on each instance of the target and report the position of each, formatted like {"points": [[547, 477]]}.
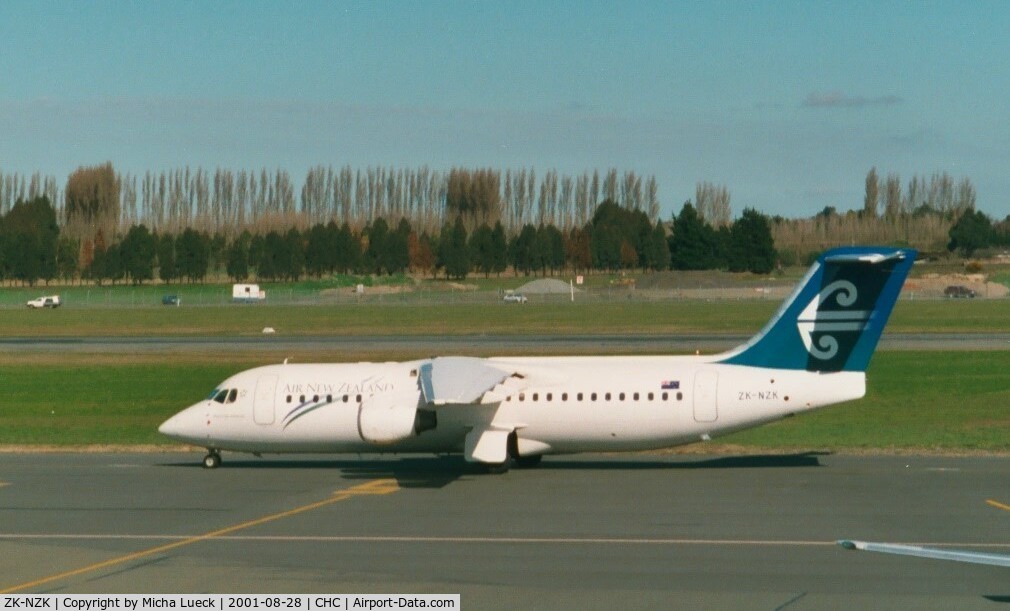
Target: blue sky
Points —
{"points": [[786, 104]]}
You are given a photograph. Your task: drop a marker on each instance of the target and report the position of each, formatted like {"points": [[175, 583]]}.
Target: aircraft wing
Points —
{"points": [[470, 381], [928, 552], [456, 380]]}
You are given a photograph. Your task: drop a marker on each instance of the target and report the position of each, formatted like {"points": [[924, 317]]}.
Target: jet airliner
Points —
{"points": [[501, 412]]}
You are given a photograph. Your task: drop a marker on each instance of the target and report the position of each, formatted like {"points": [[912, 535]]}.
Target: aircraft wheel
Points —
{"points": [[499, 468], [528, 462], [212, 460]]}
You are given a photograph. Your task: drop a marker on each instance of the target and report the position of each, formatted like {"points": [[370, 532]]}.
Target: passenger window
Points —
{"points": [[301, 399], [522, 396], [666, 396], [315, 399], [232, 395], [680, 396], [289, 398], [358, 399], [635, 396], [346, 398], [579, 396], [536, 396], [621, 396], [607, 396], [592, 397], [650, 396], [550, 396], [329, 398], [564, 396]]}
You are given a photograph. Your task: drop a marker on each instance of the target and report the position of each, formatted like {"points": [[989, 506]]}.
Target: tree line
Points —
{"points": [[223, 200], [463, 221], [920, 213], [940, 194], [33, 248]]}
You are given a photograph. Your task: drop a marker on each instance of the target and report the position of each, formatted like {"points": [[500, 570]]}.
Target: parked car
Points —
{"points": [[956, 291], [171, 300], [514, 298], [50, 301]]}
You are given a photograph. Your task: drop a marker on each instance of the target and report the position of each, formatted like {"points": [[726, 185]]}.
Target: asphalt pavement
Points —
{"points": [[351, 345], [587, 532]]}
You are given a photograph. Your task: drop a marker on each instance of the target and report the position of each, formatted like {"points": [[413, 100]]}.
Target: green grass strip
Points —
{"points": [[950, 401], [560, 317]]}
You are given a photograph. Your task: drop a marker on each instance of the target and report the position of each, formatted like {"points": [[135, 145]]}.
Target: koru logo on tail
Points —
{"points": [[828, 322]]}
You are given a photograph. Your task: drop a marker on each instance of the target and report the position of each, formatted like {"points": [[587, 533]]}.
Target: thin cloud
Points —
{"points": [[837, 99]]}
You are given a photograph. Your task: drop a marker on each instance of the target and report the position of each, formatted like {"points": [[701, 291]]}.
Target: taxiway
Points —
{"points": [[578, 532], [350, 345]]}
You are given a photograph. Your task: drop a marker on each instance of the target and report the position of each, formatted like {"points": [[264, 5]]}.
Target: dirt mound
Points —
{"points": [[546, 286]]}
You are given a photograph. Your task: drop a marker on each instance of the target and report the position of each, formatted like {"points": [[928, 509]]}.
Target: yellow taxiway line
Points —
{"points": [[374, 487], [998, 505]]}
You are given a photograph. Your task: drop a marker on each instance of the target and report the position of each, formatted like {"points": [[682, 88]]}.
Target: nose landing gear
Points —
{"points": [[212, 460]]}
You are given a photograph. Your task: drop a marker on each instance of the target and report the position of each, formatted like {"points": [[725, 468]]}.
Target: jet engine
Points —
{"points": [[384, 425]]}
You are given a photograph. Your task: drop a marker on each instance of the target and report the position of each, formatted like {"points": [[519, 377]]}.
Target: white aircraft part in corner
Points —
{"points": [[955, 555], [504, 411]]}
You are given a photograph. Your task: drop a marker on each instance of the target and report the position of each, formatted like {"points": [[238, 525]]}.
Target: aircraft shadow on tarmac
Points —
{"points": [[409, 472], [757, 461], [439, 471]]}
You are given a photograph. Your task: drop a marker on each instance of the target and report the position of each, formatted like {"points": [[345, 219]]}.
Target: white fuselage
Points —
{"points": [[562, 405]]}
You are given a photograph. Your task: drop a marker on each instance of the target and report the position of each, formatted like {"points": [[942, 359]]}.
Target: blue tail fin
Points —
{"points": [[833, 319]]}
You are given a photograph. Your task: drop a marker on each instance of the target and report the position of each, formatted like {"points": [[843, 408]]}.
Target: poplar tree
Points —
{"points": [[872, 194]]}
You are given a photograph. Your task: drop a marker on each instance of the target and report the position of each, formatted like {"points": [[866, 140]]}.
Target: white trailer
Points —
{"points": [[247, 293]]}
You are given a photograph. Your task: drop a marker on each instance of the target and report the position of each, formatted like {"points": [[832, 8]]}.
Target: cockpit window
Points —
{"points": [[232, 394], [221, 395]]}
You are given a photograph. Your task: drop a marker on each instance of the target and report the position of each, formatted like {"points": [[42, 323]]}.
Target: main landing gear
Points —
{"points": [[212, 460], [519, 462], [513, 459]]}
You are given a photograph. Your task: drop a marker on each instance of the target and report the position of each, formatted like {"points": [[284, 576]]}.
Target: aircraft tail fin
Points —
{"points": [[834, 318]]}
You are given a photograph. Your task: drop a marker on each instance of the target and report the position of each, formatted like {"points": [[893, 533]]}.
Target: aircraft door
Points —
{"points": [[706, 392], [263, 402]]}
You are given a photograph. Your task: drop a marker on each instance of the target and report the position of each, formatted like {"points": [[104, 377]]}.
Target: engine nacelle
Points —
{"points": [[382, 425]]}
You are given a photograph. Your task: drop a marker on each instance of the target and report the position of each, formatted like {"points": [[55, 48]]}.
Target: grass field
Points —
{"points": [[935, 401], [340, 288], [57, 404], [914, 400], [689, 316]]}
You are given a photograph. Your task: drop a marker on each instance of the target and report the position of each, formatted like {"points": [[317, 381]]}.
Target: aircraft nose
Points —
{"points": [[171, 427], [180, 426]]}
